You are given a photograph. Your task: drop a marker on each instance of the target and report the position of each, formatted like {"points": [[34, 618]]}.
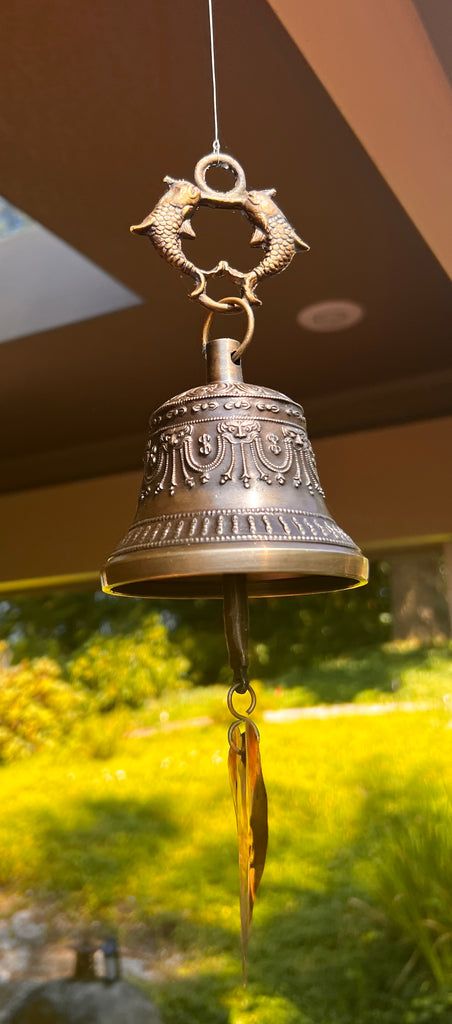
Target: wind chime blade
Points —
{"points": [[257, 800], [237, 776], [250, 803]]}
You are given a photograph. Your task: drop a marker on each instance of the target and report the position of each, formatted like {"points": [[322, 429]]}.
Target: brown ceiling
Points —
{"points": [[100, 100], [437, 18]]}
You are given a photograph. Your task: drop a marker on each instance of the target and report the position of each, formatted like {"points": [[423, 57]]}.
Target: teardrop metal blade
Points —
{"points": [[250, 803]]}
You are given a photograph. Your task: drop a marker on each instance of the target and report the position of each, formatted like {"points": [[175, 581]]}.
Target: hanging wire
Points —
{"points": [[216, 141]]}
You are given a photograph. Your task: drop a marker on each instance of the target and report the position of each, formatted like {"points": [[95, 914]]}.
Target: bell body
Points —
{"points": [[231, 486]]}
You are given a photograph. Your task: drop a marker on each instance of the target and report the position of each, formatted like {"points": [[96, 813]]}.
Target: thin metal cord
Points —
{"points": [[216, 141]]}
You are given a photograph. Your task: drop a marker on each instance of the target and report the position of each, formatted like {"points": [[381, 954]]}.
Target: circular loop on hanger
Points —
{"points": [[241, 303], [216, 305], [236, 688], [229, 164]]}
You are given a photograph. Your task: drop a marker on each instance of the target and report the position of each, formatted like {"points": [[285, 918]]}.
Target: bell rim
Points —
{"points": [[177, 573]]}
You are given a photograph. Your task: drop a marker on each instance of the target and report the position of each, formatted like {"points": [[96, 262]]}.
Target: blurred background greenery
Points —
{"points": [[116, 809]]}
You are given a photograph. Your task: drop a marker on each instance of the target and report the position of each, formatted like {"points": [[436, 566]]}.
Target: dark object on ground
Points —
{"points": [[73, 1002], [85, 969], [112, 961]]}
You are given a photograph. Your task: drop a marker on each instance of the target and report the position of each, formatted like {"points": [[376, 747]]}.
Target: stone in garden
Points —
{"points": [[75, 1002], [132, 967], [13, 962], [26, 928], [7, 941]]}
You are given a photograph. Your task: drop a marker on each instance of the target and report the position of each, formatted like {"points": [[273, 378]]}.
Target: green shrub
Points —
{"points": [[268, 1009], [36, 706], [436, 1007], [129, 669], [429, 677]]}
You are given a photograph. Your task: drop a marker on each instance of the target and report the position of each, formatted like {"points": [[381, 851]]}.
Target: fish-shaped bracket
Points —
{"points": [[171, 220]]}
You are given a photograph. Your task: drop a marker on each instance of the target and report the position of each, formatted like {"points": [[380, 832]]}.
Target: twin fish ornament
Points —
{"points": [[171, 221]]}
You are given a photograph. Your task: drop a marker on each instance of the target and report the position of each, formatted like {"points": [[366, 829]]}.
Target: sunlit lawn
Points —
{"points": [[353, 922]]}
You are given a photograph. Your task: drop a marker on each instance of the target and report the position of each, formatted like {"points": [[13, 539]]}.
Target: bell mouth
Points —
{"points": [[277, 572]]}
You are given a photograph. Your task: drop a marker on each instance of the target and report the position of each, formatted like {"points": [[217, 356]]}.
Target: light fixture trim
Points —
{"points": [[330, 315]]}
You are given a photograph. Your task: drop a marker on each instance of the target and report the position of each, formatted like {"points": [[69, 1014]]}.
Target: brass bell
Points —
{"points": [[230, 486]]}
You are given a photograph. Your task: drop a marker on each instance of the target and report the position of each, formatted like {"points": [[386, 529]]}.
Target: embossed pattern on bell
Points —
{"points": [[235, 434], [229, 465], [239, 436], [235, 525]]}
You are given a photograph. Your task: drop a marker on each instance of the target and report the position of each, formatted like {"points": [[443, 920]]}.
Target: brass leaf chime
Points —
{"points": [[231, 504]]}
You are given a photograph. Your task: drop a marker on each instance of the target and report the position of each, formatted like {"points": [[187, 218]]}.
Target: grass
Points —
{"points": [[354, 919], [392, 671]]}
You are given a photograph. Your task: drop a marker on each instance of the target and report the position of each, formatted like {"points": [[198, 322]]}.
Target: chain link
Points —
{"points": [[225, 306], [239, 717]]}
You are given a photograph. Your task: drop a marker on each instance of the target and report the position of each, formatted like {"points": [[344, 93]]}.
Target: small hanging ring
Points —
{"points": [[217, 159], [217, 306], [235, 688], [233, 300], [236, 725]]}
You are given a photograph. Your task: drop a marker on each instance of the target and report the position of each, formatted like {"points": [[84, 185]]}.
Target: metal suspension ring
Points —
{"points": [[217, 305], [241, 303], [239, 717], [237, 688], [235, 725], [229, 163]]}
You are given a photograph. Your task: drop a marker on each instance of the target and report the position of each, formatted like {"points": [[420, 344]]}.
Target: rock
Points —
{"points": [[9, 991], [25, 927], [75, 1002], [132, 967], [6, 940], [13, 962]]}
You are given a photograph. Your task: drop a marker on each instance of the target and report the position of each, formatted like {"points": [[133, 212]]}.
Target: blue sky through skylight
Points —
{"points": [[45, 283]]}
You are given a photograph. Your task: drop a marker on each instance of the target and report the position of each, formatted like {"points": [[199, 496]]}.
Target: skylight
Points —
{"points": [[45, 283]]}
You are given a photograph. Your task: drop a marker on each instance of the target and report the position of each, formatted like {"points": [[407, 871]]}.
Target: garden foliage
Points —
{"points": [[357, 894], [353, 923], [37, 706], [286, 634], [129, 668]]}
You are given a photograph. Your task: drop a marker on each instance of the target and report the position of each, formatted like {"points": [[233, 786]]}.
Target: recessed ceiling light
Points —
{"points": [[332, 315]]}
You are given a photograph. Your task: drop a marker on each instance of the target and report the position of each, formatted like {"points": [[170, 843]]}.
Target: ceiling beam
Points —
{"points": [[377, 63]]}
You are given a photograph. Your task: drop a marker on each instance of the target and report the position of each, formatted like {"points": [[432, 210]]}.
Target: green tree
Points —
{"points": [[55, 623], [129, 668], [288, 633]]}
